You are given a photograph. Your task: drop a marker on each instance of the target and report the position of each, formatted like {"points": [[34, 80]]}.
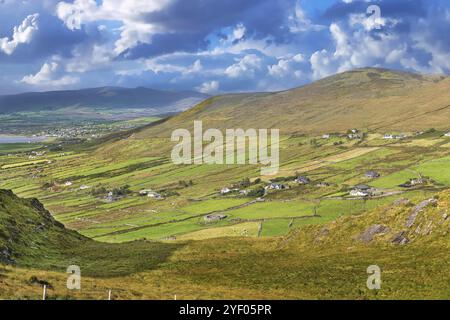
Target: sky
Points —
{"points": [[214, 46]]}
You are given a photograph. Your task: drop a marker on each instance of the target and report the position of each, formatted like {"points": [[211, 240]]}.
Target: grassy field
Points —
{"points": [[132, 216]]}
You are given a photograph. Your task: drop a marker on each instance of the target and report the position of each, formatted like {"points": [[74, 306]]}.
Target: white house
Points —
{"points": [[447, 134], [276, 186], [84, 187], [145, 192], [359, 193], [68, 184], [155, 195], [225, 190], [326, 136]]}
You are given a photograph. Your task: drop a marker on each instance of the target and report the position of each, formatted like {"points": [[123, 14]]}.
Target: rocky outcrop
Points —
{"points": [[417, 209], [369, 234], [6, 256], [400, 238]]}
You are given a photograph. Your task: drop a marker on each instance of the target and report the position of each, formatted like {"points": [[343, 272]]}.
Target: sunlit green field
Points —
{"points": [[182, 211]]}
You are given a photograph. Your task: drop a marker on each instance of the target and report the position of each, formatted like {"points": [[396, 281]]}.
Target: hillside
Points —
{"points": [[408, 240], [101, 98], [375, 99], [30, 237], [27, 230]]}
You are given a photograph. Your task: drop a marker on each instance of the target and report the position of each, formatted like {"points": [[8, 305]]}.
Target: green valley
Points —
{"points": [[361, 153]]}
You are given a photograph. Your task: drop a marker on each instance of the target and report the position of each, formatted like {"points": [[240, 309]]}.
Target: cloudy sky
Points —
{"points": [[214, 46]]}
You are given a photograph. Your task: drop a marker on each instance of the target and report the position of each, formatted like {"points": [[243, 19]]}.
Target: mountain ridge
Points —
{"points": [[107, 97]]}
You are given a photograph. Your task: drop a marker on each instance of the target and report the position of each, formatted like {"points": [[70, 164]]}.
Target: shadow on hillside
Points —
{"points": [[106, 260]]}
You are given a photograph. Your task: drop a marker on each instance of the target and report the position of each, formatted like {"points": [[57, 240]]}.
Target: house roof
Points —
{"points": [[363, 187]]}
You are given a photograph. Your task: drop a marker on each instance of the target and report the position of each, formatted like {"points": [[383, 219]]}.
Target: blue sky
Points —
{"points": [[214, 46]]}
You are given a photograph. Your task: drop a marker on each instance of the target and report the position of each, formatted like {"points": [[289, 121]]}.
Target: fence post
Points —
{"points": [[109, 295], [44, 294]]}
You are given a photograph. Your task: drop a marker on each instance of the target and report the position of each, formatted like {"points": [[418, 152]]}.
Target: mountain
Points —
{"points": [[375, 99], [101, 98]]}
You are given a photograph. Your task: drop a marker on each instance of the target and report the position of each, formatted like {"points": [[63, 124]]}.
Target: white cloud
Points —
{"points": [[157, 67], [371, 22], [50, 76], [287, 67], [356, 49], [300, 21], [21, 34], [245, 67], [131, 13], [88, 58], [211, 87]]}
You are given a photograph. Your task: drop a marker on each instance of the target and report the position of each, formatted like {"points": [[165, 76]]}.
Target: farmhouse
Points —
{"points": [[276, 186], [302, 180], [68, 184], [326, 136], [155, 195], [225, 191], [214, 217], [323, 184], [84, 187], [353, 136], [145, 192], [372, 174], [243, 192], [361, 190], [447, 134], [110, 197]]}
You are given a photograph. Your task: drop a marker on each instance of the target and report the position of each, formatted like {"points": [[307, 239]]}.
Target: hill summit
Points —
{"points": [[369, 98]]}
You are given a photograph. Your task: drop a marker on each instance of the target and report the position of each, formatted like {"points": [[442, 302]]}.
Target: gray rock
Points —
{"points": [[368, 235], [400, 238], [401, 202], [413, 216], [6, 256]]}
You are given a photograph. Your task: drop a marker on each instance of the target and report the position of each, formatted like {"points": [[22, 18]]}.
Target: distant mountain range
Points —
{"points": [[102, 98]]}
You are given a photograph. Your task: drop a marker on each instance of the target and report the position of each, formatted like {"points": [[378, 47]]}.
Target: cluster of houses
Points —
{"points": [[36, 154], [352, 135], [70, 183], [301, 180], [277, 186], [394, 136], [362, 190], [415, 182]]}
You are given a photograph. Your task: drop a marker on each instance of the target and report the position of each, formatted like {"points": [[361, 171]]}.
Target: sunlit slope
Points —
{"points": [[375, 99]]}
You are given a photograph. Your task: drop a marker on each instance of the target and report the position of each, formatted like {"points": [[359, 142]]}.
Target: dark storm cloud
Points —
{"points": [[188, 23]]}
